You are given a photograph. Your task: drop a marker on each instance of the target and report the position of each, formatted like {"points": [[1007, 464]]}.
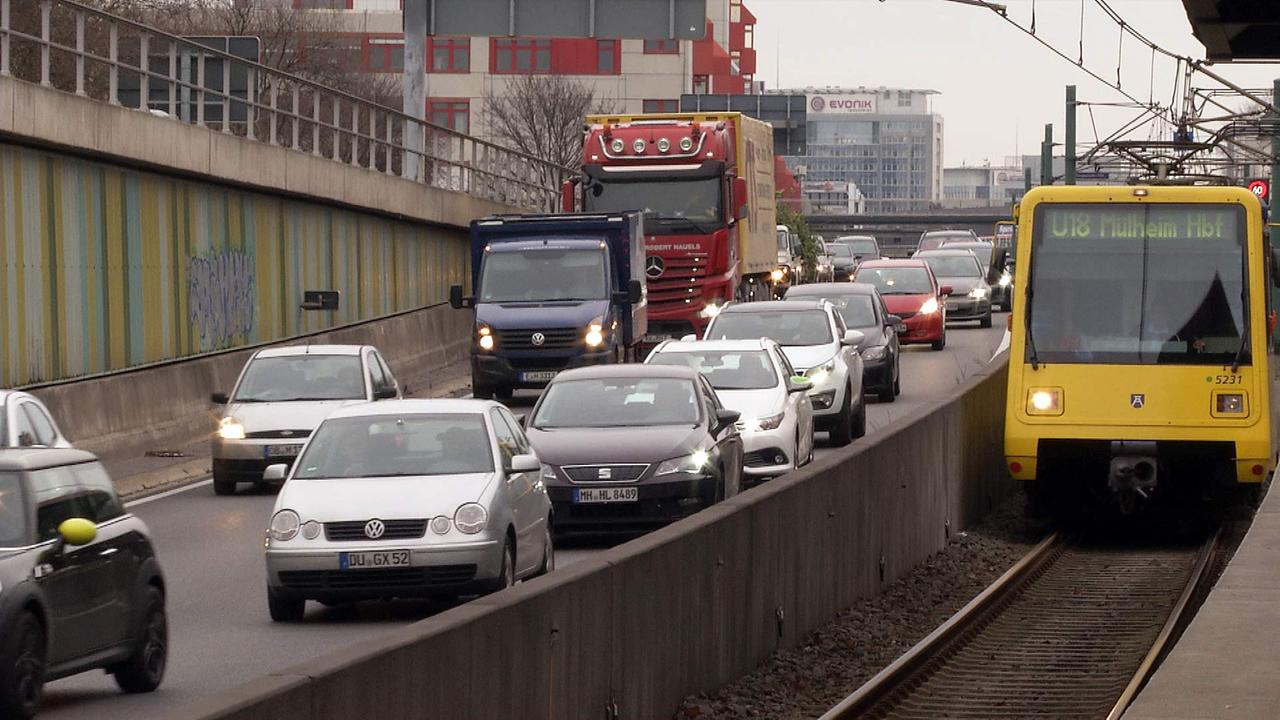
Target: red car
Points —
{"points": [[912, 293]]}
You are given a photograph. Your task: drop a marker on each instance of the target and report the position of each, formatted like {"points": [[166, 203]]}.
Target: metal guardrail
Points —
{"points": [[65, 45]]}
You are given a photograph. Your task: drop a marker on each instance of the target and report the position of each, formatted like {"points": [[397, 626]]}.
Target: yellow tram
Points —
{"points": [[1141, 356]]}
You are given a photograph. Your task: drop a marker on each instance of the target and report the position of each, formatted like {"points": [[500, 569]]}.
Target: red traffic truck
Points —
{"points": [[706, 181]]}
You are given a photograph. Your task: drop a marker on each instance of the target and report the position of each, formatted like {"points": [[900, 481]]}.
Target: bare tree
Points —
{"points": [[541, 115]]}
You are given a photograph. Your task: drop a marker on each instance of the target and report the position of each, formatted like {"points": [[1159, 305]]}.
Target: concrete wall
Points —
{"points": [[126, 413], [683, 609]]}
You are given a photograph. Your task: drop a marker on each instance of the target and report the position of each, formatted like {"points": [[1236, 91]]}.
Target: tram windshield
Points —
{"points": [[1131, 283]]}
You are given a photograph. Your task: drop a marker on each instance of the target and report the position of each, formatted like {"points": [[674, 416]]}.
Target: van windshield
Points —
{"points": [[543, 275]]}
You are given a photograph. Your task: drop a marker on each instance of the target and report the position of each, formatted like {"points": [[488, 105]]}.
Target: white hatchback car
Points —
{"points": [[282, 395], [26, 422], [814, 338], [754, 378], [408, 498]]}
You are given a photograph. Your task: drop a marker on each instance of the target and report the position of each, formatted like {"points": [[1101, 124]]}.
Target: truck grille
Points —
{"points": [[557, 339], [353, 530], [616, 473], [675, 286]]}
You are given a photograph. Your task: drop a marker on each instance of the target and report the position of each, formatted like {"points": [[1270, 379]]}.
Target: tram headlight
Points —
{"points": [[1230, 404], [1044, 401]]}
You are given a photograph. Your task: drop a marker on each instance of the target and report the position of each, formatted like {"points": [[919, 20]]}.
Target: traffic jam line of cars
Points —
{"points": [[385, 497]]}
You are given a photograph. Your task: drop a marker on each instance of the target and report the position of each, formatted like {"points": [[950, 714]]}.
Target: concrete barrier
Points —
{"points": [[128, 412], [628, 633]]}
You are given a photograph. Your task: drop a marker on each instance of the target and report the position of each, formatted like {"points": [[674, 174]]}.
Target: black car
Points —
{"points": [[862, 309], [995, 262], [80, 586], [843, 263], [630, 447]]}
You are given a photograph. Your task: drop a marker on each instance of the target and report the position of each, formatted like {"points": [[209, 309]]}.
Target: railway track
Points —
{"points": [[1073, 630]]}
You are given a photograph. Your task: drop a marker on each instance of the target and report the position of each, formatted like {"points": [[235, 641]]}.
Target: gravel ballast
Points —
{"points": [[835, 660]]}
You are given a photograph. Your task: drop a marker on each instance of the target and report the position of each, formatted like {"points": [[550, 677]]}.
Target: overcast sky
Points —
{"points": [[998, 86]]}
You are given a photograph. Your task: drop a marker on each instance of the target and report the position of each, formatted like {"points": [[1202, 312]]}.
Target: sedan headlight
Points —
{"points": [[230, 429], [767, 422], [978, 293], [929, 307], [693, 463], [819, 373], [284, 525], [549, 473], [595, 333], [1005, 280], [877, 352], [471, 518]]}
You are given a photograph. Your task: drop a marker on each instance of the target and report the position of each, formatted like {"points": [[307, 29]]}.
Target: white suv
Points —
{"points": [[755, 379], [816, 342]]}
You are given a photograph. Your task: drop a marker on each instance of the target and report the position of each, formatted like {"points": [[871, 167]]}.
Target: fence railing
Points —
{"points": [[65, 45]]}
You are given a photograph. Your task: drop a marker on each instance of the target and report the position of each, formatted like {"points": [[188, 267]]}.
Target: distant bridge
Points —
{"points": [[898, 234]]}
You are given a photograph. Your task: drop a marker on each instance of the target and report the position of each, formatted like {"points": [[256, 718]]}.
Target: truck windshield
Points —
{"points": [[1139, 284], [543, 275], [678, 206], [784, 241]]}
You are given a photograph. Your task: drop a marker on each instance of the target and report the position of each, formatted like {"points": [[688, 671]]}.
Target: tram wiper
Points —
{"points": [[1244, 336], [1031, 341]]}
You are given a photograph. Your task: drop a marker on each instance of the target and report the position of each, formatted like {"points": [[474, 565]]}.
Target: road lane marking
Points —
{"points": [[168, 493]]}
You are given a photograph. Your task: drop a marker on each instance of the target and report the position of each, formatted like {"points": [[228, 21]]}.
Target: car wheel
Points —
{"points": [[986, 321], [284, 608], [503, 392], [889, 393], [795, 453], [842, 432], [940, 343], [507, 576], [481, 392], [223, 485], [549, 554], [860, 419], [144, 669], [897, 384], [22, 672]]}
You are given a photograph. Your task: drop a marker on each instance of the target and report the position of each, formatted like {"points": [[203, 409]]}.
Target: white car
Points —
{"points": [[754, 378], [26, 422], [408, 498], [282, 395], [815, 340]]}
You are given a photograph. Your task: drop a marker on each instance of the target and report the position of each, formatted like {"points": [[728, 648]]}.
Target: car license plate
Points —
{"points": [[654, 339], [380, 559], [953, 306], [538, 376], [275, 451], [606, 495]]}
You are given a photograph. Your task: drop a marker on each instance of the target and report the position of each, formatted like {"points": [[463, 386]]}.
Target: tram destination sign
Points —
{"points": [[642, 19], [1133, 221]]}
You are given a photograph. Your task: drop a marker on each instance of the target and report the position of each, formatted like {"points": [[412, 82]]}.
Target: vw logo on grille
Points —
{"points": [[654, 266], [537, 338], [374, 529]]}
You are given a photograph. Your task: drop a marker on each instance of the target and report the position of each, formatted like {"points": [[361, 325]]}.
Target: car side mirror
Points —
{"points": [[386, 392], [219, 398], [77, 531], [725, 418], [275, 473], [798, 383], [740, 198], [895, 322], [853, 338], [457, 300], [527, 462], [691, 337], [945, 290]]}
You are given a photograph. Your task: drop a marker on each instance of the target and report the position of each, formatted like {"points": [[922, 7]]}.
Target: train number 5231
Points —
{"points": [[1227, 380]]}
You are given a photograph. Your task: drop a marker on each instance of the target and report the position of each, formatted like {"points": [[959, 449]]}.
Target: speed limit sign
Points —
{"points": [[1261, 188]]}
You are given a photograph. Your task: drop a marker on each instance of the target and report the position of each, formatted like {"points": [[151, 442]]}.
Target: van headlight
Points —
{"points": [[471, 518], [230, 428], [693, 464], [284, 525], [595, 333], [484, 337]]}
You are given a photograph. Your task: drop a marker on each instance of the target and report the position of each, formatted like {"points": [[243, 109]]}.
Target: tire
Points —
{"points": [[889, 393], [223, 485], [480, 391], [939, 344], [860, 419], [986, 321], [284, 608], [842, 432], [144, 669], [897, 381], [549, 556], [503, 392], [22, 667], [507, 575]]}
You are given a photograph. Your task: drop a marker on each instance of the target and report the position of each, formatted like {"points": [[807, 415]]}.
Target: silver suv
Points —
{"points": [[816, 342], [282, 395]]}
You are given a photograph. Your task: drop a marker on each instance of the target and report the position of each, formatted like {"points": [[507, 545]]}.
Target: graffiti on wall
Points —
{"points": [[220, 297]]}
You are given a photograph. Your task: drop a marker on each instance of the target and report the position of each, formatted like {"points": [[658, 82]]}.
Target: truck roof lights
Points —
{"points": [[639, 146]]}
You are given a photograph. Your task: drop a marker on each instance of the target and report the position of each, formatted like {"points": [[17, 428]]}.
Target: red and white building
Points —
{"points": [[626, 76]]}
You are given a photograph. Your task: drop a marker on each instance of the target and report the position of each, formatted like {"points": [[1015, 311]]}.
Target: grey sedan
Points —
{"points": [[407, 498], [970, 297]]}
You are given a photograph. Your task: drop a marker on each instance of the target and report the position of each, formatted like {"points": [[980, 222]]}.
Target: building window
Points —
{"points": [[386, 55], [322, 4], [606, 63], [749, 36], [661, 47], [454, 114], [661, 106], [449, 55], [735, 11], [701, 84], [521, 56]]}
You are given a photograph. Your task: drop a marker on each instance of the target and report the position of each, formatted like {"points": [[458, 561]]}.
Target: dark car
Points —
{"points": [[80, 586], [864, 310], [863, 247], [934, 239], [629, 447], [843, 263], [995, 262], [970, 297]]}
